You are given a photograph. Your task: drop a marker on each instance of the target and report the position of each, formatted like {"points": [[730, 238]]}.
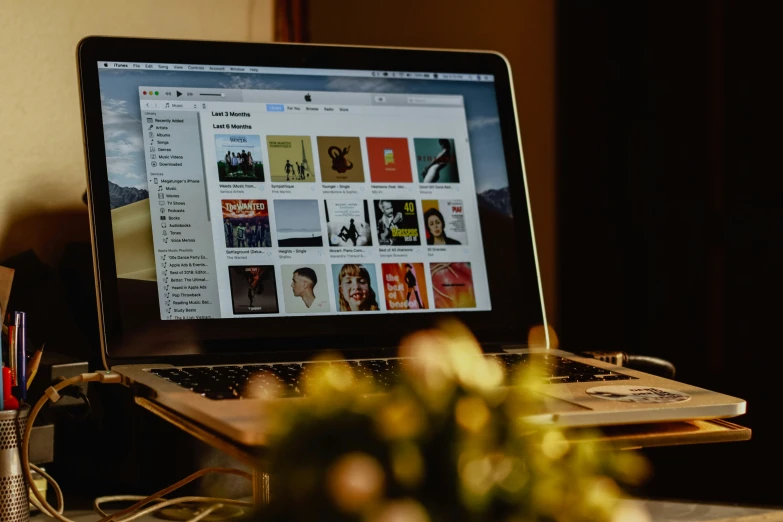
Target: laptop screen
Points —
{"points": [[264, 193]]}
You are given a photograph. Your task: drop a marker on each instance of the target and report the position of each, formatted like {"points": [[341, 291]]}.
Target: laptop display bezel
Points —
{"points": [[507, 323]]}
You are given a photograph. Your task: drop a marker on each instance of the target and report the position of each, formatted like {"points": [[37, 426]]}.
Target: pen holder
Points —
{"points": [[14, 493]]}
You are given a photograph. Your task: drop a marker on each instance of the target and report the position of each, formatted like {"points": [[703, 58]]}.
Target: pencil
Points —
{"points": [[32, 368]]}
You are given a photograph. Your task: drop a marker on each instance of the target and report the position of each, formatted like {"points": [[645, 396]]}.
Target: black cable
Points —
{"points": [[653, 365], [77, 392], [643, 363]]}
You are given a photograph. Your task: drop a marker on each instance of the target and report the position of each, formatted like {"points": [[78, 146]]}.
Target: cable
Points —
{"points": [[654, 365], [52, 393], [37, 505], [182, 500], [206, 513], [125, 498], [96, 504], [57, 491], [642, 363], [193, 476], [132, 513], [77, 393]]}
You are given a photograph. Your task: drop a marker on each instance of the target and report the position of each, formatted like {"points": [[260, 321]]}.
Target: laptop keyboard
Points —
{"points": [[284, 380]]}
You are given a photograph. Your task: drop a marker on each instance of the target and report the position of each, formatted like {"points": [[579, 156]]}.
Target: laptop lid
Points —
{"points": [[255, 198]]}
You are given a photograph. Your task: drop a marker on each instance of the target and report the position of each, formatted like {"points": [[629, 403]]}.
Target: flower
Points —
{"points": [[449, 442]]}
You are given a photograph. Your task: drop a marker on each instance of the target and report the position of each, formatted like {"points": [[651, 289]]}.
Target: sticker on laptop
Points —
{"points": [[642, 394]]}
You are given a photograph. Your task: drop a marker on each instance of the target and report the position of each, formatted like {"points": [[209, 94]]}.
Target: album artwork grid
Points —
{"points": [[348, 223], [343, 223]]}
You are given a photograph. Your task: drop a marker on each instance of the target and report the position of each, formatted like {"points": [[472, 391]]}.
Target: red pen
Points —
{"points": [[12, 354], [10, 402]]}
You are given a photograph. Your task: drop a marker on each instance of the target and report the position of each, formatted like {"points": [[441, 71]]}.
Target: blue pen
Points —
{"points": [[21, 350]]}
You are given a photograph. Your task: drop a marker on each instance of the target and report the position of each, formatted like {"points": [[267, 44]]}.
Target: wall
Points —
{"points": [[523, 30], [679, 212], [42, 168]]}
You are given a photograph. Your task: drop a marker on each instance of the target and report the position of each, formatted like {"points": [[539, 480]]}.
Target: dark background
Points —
{"points": [[669, 212]]}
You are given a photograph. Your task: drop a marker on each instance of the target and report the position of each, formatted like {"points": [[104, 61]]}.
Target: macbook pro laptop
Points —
{"points": [[255, 205]]}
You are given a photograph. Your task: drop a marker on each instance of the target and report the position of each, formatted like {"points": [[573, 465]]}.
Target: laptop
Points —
{"points": [[255, 205]]}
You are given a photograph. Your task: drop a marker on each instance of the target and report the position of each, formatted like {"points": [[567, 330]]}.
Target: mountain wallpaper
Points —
{"points": [[496, 199], [121, 196]]}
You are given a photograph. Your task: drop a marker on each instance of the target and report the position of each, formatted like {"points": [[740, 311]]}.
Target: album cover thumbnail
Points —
{"points": [[348, 223], [246, 223], [404, 286], [253, 289], [452, 285], [340, 159], [239, 158], [305, 288], [290, 159], [397, 222], [436, 160], [389, 160], [298, 223], [356, 287], [444, 222]]}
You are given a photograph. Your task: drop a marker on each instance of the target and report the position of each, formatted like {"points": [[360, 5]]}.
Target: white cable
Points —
{"points": [[163, 503], [39, 500], [206, 513], [182, 500], [163, 492], [96, 504], [37, 505], [57, 491]]}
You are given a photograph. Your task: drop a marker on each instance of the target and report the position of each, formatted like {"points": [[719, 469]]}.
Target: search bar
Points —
{"points": [[435, 100]]}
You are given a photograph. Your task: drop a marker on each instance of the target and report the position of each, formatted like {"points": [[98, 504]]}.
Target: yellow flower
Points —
{"points": [[355, 482]]}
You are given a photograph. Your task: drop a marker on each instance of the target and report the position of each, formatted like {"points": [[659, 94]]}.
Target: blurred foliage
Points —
{"points": [[449, 443]]}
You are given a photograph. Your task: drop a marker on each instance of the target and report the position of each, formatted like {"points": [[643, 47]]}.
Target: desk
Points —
{"points": [[660, 512]]}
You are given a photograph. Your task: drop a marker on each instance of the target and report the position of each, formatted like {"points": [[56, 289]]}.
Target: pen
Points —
{"points": [[20, 322], [12, 357], [10, 401]]}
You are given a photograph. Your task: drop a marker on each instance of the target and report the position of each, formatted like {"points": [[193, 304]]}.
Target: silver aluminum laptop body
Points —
{"points": [[569, 405], [644, 398]]}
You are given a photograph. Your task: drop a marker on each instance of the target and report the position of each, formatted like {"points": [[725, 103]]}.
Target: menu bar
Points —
{"points": [[153, 97], [396, 75]]}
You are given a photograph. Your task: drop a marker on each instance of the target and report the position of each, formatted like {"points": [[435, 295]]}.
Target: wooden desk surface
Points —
{"points": [[626, 437], [659, 512]]}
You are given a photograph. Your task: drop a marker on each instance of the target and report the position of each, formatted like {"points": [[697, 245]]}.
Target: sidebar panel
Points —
{"points": [[182, 235]]}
